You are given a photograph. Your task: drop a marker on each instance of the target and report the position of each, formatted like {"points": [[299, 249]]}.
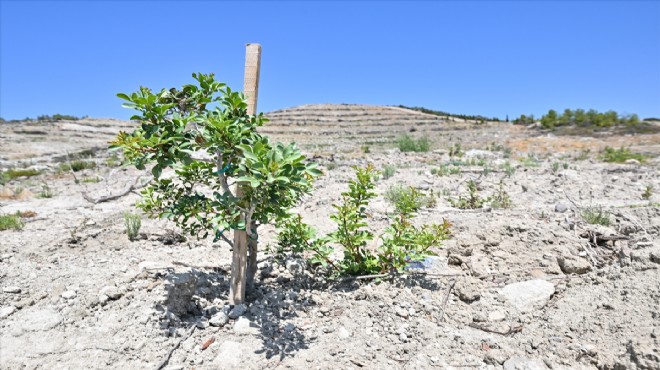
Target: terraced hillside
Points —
{"points": [[344, 125]]}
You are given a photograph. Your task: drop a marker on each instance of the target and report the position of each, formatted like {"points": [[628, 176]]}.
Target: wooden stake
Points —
{"points": [[240, 251]]}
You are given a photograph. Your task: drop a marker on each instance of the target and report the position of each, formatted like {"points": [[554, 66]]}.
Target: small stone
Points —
{"points": [[293, 266], [230, 356], [343, 333], [524, 363], [69, 294], [7, 311], [569, 265], [203, 323], [400, 311], [237, 311], [631, 161], [496, 316], [243, 326], [528, 295], [103, 299], [496, 356], [468, 290], [561, 207], [403, 337], [11, 289], [111, 292], [219, 319]]}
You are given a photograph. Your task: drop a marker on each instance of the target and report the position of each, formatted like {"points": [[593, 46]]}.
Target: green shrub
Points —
{"points": [[407, 199], [620, 155], [366, 149], [648, 192], [508, 169], [555, 167], [445, 170], [388, 171], [132, 222], [11, 222], [455, 150], [13, 173], [471, 200], [409, 144], [595, 216], [77, 165], [46, 192], [501, 198]]}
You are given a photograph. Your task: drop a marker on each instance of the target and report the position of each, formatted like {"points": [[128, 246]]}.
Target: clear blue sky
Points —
{"points": [[488, 58]]}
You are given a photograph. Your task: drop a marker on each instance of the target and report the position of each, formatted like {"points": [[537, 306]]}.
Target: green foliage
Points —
{"points": [[407, 199], [582, 118], [595, 216], [453, 115], [388, 171], [8, 222], [648, 192], [455, 150], [402, 242], [90, 179], [46, 191], [495, 147], [14, 173], [508, 169], [620, 155], [501, 198], [113, 160], [554, 167], [204, 134], [524, 120], [530, 161], [366, 149], [57, 117], [409, 144], [471, 200], [445, 170], [331, 166], [132, 222], [77, 165]]}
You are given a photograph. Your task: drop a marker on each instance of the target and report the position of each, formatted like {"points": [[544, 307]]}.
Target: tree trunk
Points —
{"points": [[238, 268], [252, 258]]}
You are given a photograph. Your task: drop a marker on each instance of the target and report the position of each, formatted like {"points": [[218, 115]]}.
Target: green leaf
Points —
{"points": [[123, 96], [253, 181]]}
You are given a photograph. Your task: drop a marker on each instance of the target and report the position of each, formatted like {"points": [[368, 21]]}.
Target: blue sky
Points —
{"points": [[488, 58]]}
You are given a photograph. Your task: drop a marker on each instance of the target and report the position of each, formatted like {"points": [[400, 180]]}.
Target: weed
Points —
{"points": [[330, 166], [620, 155], [91, 179], [555, 167], [113, 160], [46, 191], [11, 174], [388, 171], [455, 150], [11, 222], [648, 192], [407, 199], [508, 169], [530, 161], [595, 216], [77, 165], [471, 200], [445, 170], [133, 224], [409, 144], [366, 149], [584, 154], [501, 198]]}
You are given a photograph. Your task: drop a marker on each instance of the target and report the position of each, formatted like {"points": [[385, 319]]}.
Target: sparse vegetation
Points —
{"points": [[330, 166], [581, 118], [445, 170], [132, 222], [409, 144], [595, 216], [648, 192], [14, 173], [46, 191], [452, 115], [77, 165], [471, 200], [91, 179], [366, 149], [620, 155], [407, 199], [501, 198], [388, 171], [508, 169], [455, 150], [8, 222], [555, 167]]}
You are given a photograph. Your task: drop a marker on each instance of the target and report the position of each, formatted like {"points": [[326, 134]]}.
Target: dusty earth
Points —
{"points": [[529, 287]]}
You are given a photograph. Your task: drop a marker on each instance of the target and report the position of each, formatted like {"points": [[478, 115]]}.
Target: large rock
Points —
{"points": [[230, 356], [528, 295], [524, 363]]}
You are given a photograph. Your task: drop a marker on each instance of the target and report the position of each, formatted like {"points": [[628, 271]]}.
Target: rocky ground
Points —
{"points": [[533, 286]]}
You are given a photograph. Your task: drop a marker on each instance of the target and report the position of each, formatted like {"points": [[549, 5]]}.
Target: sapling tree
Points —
{"points": [[205, 136]]}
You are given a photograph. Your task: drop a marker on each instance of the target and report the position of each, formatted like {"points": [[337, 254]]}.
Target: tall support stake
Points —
{"points": [[239, 266]]}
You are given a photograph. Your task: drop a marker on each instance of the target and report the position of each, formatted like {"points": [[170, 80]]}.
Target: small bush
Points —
{"points": [[595, 216], [508, 169], [530, 161], [13, 173], [8, 222], [620, 155], [501, 198], [648, 192], [113, 160], [133, 224], [409, 144], [77, 165], [555, 167], [445, 170], [455, 150], [471, 200], [407, 199], [331, 166], [46, 191], [388, 171], [366, 149]]}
